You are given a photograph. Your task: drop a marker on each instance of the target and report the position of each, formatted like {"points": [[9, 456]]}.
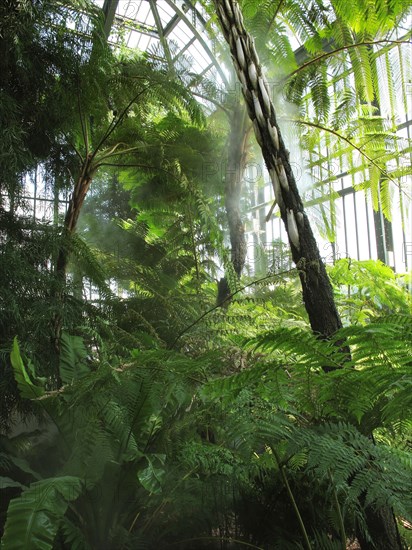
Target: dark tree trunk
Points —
{"points": [[72, 215], [382, 529], [239, 135], [316, 288], [237, 157], [70, 223]]}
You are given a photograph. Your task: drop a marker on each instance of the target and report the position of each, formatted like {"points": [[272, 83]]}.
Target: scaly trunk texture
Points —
{"points": [[237, 157], [316, 287]]}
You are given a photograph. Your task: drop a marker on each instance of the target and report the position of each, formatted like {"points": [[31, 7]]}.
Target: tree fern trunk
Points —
{"points": [[316, 287], [382, 529], [239, 134], [236, 165]]}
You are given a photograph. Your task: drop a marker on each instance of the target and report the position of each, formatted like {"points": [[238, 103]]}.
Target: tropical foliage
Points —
{"points": [[164, 447], [136, 412]]}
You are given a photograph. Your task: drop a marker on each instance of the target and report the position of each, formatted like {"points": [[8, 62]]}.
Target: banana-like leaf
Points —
{"points": [[152, 476], [6, 482], [26, 387], [35, 516], [8, 461]]}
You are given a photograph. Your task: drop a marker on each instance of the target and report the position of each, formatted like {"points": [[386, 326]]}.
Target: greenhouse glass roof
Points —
{"points": [[175, 31]]}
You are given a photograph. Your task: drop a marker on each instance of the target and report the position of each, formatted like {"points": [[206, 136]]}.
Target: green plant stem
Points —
{"points": [[292, 499], [115, 122], [341, 49], [339, 511]]}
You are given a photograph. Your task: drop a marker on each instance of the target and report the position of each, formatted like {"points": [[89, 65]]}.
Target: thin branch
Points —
{"points": [[269, 214], [114, 153], [115, 123], [213, 101], [227, 299], [359, 149], [338, 511], [282, 469], [111, 151], [275, 15], [82, 123], [136, 165], [72, 145]]}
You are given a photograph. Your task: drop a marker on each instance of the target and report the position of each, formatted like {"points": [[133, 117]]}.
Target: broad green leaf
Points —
{"points": [[34, 517], [8, 482], [152, 476], [21, 464], [26, 387]]}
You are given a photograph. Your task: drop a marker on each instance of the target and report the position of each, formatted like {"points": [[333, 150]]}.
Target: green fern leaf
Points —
{"points": [[73, 354]]}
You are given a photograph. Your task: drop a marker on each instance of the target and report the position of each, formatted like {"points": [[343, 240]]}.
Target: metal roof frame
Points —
{"points": [[110, 7]]}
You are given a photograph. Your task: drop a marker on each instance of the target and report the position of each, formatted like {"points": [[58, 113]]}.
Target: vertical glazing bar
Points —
{"points": [[368, 228], [35, 194], [344, 221], [356, 226]]}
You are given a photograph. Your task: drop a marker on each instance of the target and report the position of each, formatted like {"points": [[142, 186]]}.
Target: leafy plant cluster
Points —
{"points": [[252, 442], [136, 412]]}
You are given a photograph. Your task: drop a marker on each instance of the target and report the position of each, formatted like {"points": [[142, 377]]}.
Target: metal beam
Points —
{"points": [[187, 45], [200, 38], [161, 33], [171, 25]]}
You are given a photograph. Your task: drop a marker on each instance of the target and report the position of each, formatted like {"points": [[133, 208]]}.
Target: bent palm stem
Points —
{"points": [[316, 287]]}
